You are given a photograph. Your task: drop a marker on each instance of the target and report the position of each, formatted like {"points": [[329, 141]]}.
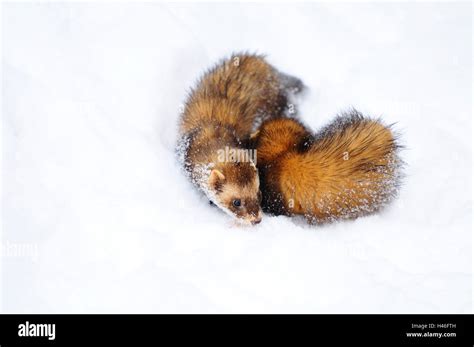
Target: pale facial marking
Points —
{"points": [[242, 202], [235, 189]]}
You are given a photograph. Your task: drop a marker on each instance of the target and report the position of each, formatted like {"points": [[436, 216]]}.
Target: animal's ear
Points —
{"points": [[216, 179]]}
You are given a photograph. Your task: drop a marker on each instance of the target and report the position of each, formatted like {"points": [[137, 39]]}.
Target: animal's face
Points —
{"points": [[235, 188]]}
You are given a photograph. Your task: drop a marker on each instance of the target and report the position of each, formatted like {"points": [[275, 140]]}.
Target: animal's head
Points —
{"points": [[235, 188]]}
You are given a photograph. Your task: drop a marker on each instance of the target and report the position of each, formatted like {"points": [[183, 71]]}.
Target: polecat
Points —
{"points": [[350, 168], [219, 116]]}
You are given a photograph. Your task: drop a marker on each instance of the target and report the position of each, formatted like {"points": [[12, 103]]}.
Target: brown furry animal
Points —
{"points": [[219, 116], [350, 168]]}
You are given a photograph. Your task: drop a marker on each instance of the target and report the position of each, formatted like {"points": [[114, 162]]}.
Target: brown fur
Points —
{"points": [[349, 169], [233, 94], [222, 110]]}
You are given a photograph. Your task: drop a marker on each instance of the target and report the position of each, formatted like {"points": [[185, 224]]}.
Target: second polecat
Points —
{"points": [[350, 168]]}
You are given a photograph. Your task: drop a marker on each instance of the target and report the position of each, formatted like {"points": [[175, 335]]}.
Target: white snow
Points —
{"points": [[91, 95]]}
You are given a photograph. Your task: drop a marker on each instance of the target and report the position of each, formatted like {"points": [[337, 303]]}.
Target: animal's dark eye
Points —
{"points": [[236, 202]]}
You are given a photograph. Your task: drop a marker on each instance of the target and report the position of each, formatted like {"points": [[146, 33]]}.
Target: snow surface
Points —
{"points": [[91, 95]]}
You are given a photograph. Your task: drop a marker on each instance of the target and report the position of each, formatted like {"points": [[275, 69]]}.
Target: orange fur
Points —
{"points": [[349, 169]]}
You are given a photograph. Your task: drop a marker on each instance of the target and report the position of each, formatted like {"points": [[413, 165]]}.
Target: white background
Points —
{"points": [[91, 95]]}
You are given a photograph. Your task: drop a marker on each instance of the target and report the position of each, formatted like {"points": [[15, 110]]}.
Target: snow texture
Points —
{"points": [[98, 217]]}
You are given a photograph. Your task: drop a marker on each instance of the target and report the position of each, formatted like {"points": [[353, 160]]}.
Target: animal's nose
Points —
{"points": [[256, 221]]}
